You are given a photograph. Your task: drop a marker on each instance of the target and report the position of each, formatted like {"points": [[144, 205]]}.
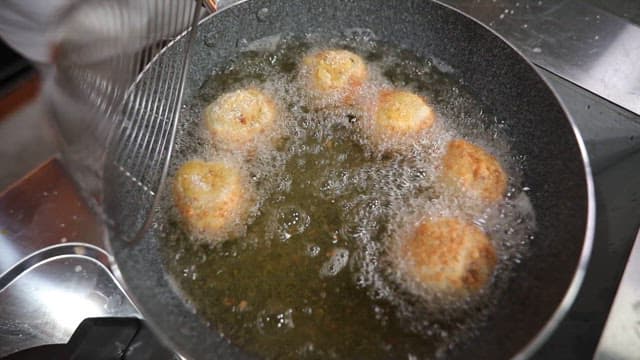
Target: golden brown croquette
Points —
{"points": [[447, 256], [469, 167], [398, 116], [333, 77], [237, 119], [212, 198]]}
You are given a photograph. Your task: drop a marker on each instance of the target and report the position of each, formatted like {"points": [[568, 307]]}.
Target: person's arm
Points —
{"points": [[25, 25]]}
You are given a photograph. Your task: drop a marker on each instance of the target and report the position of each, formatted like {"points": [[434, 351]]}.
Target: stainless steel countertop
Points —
{"points": [[47, 303], [581, 43], [621, 336]]}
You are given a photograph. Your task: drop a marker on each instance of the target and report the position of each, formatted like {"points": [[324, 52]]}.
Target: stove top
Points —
{"points": [[54, 273]]}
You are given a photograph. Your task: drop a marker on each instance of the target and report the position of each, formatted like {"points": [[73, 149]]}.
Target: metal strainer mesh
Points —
{"points": [[116, 101]]}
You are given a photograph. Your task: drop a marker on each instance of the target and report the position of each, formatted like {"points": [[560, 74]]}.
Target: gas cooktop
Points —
{"points": [[54, 271]]}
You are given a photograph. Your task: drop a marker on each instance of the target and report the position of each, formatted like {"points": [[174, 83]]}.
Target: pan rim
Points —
{"points": [[585, 255]]}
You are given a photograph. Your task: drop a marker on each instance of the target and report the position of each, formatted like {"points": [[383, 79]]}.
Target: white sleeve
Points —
{"points": [[31, 27], [25, 25]]}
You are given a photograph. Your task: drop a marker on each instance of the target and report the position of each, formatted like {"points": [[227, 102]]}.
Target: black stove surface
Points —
{"points": [[103, 339], [617, 179]]}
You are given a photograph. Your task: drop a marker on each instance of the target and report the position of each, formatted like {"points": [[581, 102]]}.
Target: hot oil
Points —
{"points": [[312, 275]]}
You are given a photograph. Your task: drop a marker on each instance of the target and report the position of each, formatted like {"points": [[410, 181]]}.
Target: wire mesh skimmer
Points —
{"points": [[115, 100]]}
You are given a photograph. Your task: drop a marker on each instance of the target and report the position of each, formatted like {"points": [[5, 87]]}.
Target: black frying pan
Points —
{"points": [[555, 165]]}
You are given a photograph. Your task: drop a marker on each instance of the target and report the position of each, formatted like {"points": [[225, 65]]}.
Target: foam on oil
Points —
{"points": [[312, 274]]}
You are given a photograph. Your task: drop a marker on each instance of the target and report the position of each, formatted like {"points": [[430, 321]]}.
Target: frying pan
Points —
{"points": [[554, 166]]}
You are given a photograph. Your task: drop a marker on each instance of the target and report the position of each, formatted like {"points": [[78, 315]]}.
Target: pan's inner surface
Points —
{"points": [[311, 277]]}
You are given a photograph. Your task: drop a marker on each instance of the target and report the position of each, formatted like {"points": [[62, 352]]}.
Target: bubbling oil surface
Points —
{"points": [[311, 276]]}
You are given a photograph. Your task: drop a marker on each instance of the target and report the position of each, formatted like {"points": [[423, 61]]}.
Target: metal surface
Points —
{"points": [[579, 42], [41, 211], [621, 336], [49, 280], [555, 168], [628, 10], [46, 304], [610, 132], [617, 221]]}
